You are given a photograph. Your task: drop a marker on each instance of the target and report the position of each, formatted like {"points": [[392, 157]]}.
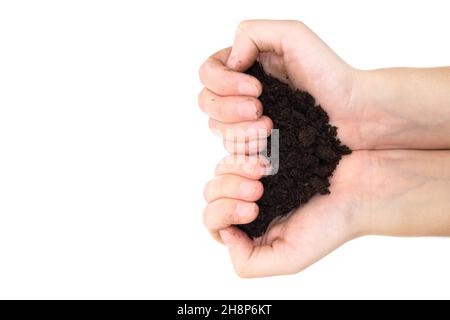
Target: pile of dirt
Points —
{"points": [[309, 151]]}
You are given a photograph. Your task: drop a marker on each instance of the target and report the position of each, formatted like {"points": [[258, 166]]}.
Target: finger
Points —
{"points": [[253, 37], [245, 148], [242, 131], [221, 80], [251, 261], [232, 186], [252, 167], [224, 212], [231, 108]]}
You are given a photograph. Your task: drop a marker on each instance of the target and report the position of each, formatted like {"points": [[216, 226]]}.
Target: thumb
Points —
{"points": [[239, 245], [255, 36], [251, 261]]}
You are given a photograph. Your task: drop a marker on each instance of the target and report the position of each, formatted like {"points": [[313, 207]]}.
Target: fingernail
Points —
{"points": [[258, 125], [244, 210], [254, 145], [226, 237], [247, 110], [264, 161], [251, 169], [247, 189], [256, 170], [247, 89], [257, 130], [267, 171], [232, 60]]}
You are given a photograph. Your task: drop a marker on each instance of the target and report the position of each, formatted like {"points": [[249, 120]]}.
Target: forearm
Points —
{"points": [[405, 108], [409, 194]]}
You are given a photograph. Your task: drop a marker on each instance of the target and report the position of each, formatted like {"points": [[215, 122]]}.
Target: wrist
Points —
{"points": [[406, 194], [403, 108], [376, 99]]}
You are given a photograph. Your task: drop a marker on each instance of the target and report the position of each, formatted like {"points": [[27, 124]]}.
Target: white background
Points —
{"points": [[104, 152]]}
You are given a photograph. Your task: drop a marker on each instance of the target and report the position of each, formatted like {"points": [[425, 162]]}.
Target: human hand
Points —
{"points": [[228, 92], [375, 109], [292, 243], [291, 52], [391, 192], [372, 192]]}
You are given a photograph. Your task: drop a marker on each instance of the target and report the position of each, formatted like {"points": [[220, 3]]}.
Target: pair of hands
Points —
{"points": [[363, 185]]}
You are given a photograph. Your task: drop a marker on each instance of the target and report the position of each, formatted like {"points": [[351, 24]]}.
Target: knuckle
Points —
{"points": [[294, 24], [242, 271], [241, 25], [205, 217], [298, 23], [219, 182], [224, 166], [207, 190], [202, 71], [212, 124], [201, 99]]}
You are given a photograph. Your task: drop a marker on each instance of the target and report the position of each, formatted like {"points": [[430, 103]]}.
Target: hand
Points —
{"points": [[372, 192], [397, 193], [293, 243], [291, 52], [376, 109]]}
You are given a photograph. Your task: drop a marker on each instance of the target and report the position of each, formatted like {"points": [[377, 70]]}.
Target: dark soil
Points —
{"points": [[309, 151]]}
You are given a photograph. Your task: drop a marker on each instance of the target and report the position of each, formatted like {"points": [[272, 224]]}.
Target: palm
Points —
{"points": [[329, 79], [322, 224]]}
